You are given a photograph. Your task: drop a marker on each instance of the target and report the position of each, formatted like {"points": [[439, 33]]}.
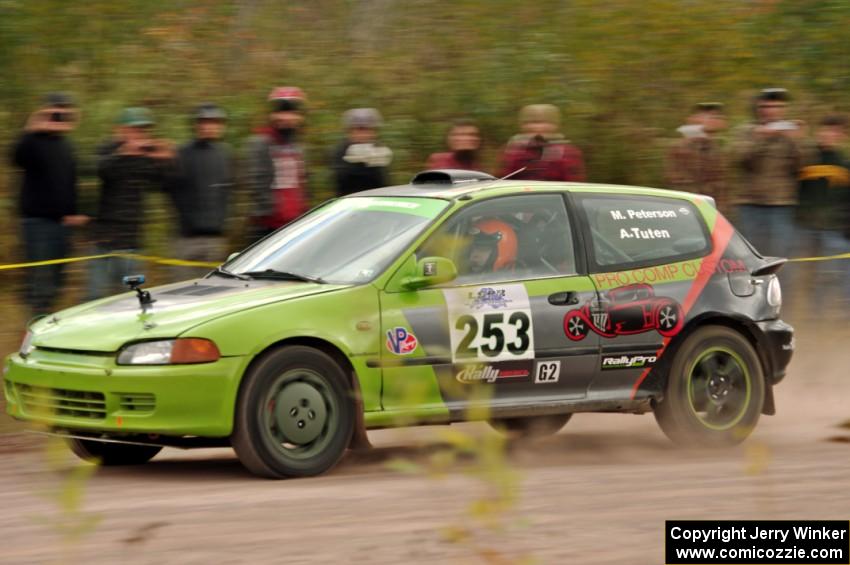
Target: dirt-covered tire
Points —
{"points": [[531, 426], [112, 454], [715, 389], [295, 414]]}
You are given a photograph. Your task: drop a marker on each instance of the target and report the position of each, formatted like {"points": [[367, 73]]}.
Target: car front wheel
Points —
{"points": [[715, 389], [295, 414]]}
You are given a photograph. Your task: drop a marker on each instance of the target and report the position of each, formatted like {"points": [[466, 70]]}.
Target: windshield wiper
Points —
{"points": [[225, 273], [282, 275]]}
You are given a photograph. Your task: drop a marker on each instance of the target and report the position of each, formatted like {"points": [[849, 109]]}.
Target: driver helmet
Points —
{"points": [[500, 238]]}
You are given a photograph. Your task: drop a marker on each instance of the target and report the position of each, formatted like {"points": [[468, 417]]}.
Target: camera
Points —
{"points": [[782, 125], [60, 117]]}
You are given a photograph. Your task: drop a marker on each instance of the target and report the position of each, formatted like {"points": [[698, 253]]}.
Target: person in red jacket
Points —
{"points": [[464, 141], [541, 149], [275, 167]]}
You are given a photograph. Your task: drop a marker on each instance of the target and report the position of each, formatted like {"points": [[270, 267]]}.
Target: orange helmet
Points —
{"points": [[505, 240]]}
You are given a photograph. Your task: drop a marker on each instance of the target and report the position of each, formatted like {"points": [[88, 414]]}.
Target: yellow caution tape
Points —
{"points": [[147, 258], [826, 258], [187, 263]]}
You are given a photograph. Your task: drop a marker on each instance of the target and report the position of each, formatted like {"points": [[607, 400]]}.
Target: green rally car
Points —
{"points": [[455, 295]]}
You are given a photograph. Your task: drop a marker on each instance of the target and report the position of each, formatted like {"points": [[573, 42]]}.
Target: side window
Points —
{"points": [[628, 231], [511, 238]]}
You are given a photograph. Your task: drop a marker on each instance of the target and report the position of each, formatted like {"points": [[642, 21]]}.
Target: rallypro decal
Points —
{"points": [[628, 361]]}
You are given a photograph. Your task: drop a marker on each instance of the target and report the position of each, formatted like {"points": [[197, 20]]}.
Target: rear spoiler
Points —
{"points": [[770, 266]]}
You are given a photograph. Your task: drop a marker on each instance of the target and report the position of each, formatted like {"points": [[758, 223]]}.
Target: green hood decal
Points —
{"points": [[107, 324]]}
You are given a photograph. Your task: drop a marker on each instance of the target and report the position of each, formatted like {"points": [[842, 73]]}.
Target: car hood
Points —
{"points": [[105, 325]]}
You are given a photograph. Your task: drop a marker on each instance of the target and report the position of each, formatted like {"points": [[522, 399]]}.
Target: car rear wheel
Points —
{"points": [[112, 454], [715, 389], [295, 414], [532, 426]]}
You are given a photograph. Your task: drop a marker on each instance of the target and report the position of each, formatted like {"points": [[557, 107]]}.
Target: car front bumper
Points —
{"points": [[89, 392]]}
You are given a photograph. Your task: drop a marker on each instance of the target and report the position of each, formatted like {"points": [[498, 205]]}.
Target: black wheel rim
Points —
{"points": [[719, 388], [299, 414]]}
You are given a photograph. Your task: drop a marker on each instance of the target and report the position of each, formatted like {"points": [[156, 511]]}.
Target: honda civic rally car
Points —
{"points": [[452, 297]]}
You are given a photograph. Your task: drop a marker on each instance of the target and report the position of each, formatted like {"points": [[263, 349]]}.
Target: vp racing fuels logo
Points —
{"points": [[400, 341], [628, 361], [495, 298], [489, 374], [630, 309]]}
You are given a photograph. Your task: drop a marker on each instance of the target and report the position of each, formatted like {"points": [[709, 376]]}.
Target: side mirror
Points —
{"points": [[431, 271], [232, 256]]}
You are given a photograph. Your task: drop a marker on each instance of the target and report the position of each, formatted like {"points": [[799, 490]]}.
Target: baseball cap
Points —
{"points": [[209, 111], [778, 94], [540, 113], [58, 100], [368, 118], [136, 117]]}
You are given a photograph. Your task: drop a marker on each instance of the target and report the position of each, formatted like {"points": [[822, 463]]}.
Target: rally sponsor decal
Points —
{"points": [[401, 341], [490, 323], [491, 374], [628, 361], [546, 372], [669, 273], [628, 310]]}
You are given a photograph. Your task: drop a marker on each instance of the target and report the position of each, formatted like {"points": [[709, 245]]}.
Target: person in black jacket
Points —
{"points": [[138, 164], [360, 161], [48, 196], [203, 190]]}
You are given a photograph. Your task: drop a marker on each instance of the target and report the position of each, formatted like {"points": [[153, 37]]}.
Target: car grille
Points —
{"points": [[136, 402], [61, 402]]}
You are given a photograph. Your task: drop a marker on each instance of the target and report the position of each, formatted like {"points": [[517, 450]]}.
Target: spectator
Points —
{"points": [[464, 141], [139, 164], [768, 155], [276, 174], [696, 162], [822, 216], [202, 191], [541, 150], [360, 161], [48, 196]]}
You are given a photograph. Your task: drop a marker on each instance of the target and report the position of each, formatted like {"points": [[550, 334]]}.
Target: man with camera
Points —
{"points": [[768, 154], [139, 164], [695, 163], [541, 150], [48, 196]]}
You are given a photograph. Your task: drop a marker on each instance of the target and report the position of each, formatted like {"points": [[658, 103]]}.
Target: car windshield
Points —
{"points": [[348, 241]]}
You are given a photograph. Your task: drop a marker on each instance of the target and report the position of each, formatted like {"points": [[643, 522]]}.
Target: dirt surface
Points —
{"points": [[598, 492]]}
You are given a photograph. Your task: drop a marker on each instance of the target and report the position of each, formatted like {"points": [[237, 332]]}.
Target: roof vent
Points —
{"points": [[450, 176]]}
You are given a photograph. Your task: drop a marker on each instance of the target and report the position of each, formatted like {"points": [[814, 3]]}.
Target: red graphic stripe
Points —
{"points": [[720, 237]]}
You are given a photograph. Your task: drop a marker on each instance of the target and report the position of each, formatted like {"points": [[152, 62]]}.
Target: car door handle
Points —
{"points": [[566, 298]]}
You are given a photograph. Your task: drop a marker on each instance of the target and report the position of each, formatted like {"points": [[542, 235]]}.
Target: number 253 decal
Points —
{"points": [[491, 339], [489, 324]]}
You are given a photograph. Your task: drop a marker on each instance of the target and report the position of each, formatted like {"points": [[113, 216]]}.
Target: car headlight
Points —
{"points": [[774, 292], [26, 345], [169, 352]]}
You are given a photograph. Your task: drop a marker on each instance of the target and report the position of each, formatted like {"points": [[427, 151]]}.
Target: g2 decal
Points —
{"points": [[547, 372], [490, 324], [400, 341], [630, 309]]}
